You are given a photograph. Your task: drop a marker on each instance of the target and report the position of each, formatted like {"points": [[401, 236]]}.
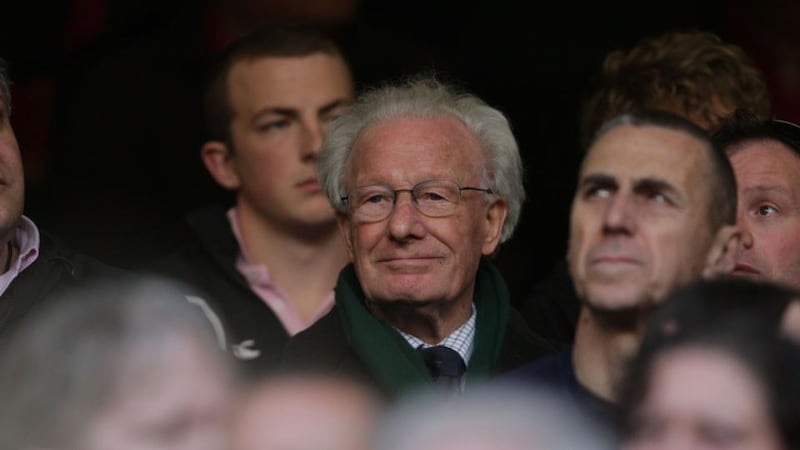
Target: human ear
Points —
{"points": [[219, 162], [493, 220], [721, 259], [347, 233]]}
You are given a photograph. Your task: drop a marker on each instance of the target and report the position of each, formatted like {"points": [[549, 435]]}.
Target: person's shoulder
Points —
{"points": [[319, 344], [56, 255], [521, 345], [550, 369], [207, 244], [324, 346], [551, 308]]}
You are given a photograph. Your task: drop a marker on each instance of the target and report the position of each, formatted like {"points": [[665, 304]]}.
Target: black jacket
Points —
{"points": [[206, 263], [56, 272]]}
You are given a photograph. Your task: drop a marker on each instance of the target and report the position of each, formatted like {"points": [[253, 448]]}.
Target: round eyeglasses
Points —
{"points": [[434, 198]]}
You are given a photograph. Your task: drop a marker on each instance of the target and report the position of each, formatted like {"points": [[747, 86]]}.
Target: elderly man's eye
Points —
{"points": [[430, 196], [377, 198]]}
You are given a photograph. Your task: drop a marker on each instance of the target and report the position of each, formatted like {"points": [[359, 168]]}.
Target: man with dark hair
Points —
{"points": [[765, 155], [644, 221], [266, 266], [34, 266], [693, 74]]}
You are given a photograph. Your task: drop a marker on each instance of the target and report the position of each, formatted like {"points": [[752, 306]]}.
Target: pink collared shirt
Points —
{"points": [[260, 282], [26, 237]]}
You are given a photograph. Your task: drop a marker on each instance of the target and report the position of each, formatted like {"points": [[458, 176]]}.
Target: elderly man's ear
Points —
{"points": [[721, 258], [347, 233], [494, 219], [219, 162]]}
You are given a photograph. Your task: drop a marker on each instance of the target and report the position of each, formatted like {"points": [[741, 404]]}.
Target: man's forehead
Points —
{"points": [[272, 74], [438, 146], [646, 152], [764, 153]]}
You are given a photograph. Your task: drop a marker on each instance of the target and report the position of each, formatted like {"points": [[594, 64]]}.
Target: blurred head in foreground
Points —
{"points": [[728, 386], [492, 417], [115, 368], [305, 412]]}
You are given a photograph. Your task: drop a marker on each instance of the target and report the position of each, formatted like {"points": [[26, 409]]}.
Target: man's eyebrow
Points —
{"points": [[338, 103], [280, 110], [654, 185], [294, 112], [597, 179]]}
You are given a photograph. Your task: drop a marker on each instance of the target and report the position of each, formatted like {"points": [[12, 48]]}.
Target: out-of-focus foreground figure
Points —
{"points": [[106, 371], [491, 417], [727, 388], [302, 412]]}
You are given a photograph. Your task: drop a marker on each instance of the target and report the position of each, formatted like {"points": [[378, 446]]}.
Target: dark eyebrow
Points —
{"points": [[288, 112], [293, 112], [333, 105], [598, 179], [650, 185]]}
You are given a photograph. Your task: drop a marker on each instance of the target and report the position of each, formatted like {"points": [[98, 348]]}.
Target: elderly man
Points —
{"points": [[427, 182], [654, 208], [34, 266], [765, 155]]}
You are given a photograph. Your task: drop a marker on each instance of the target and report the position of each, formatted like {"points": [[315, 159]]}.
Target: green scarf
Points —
{"points": [[388, 356]]}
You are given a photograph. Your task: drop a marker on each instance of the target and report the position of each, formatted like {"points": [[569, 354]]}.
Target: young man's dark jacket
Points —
{"points": [[350, 341], [206, 263]]}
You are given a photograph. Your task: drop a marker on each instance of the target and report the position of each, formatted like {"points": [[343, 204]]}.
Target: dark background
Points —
{"points": [[106, 95]]}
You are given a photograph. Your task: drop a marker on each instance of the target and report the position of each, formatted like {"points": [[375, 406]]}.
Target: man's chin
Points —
{"points": [[620, 311]]}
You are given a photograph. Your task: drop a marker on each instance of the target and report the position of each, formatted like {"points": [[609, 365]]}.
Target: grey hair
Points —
{"points": [[428, 97], [64, 363]]}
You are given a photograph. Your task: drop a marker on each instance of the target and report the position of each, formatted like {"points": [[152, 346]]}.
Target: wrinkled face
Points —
{"points": [[12, 180], [768, 180], [408, 256], [699, 398], [176, 404], [282, 108], [639, 222]]}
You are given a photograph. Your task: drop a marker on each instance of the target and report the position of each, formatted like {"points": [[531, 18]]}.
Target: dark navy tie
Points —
{"points": [[445, 365]]}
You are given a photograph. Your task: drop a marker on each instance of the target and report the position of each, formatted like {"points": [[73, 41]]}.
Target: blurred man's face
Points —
{"points": [[12, 179], [282, 108], [768, 180], [178, 400], [639, 222], [305, 414], [701, 398]]}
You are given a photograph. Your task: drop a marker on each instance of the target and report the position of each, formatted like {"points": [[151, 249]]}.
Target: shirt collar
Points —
{"points": [[462, 340], [26, 237]]}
